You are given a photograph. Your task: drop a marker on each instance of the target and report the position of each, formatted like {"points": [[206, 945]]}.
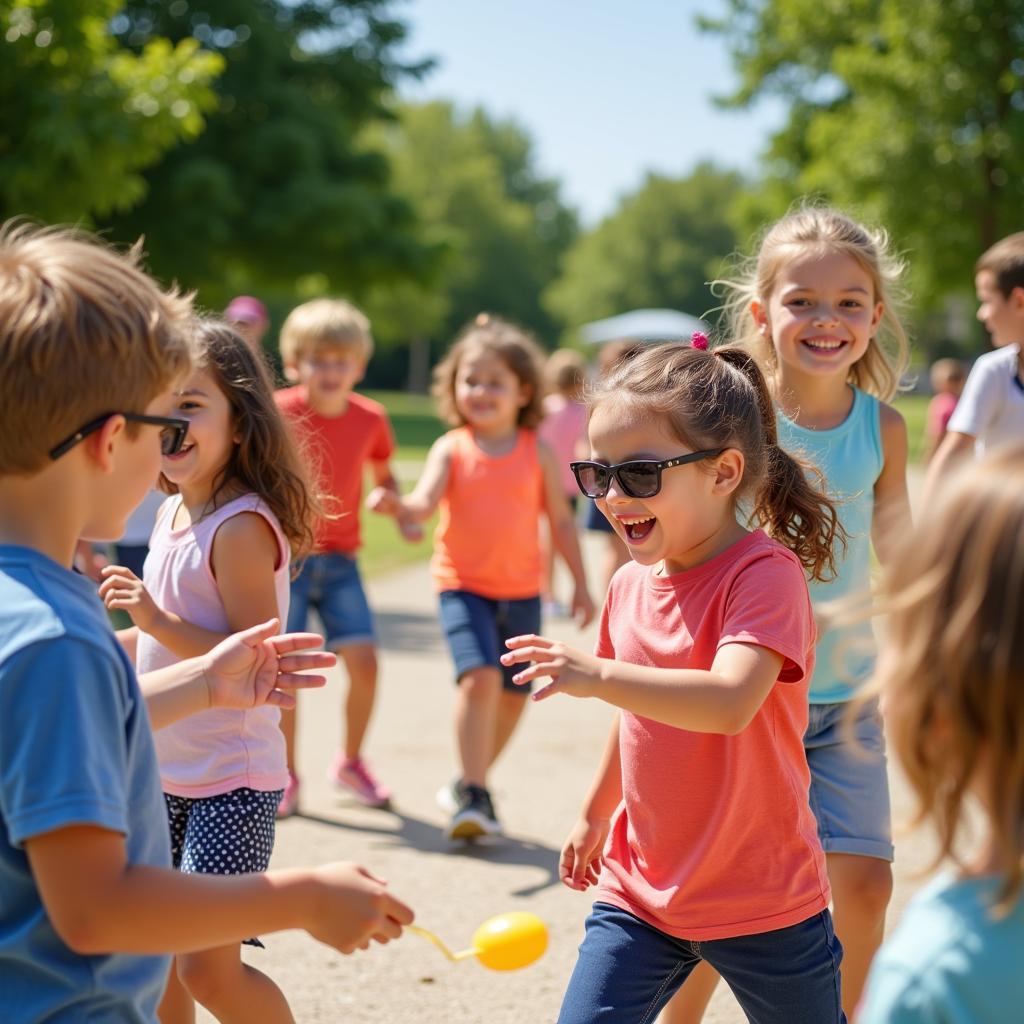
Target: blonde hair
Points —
{"points": [[83, 332], [565, 372], [324, 323], [266, 459], [719, 399], [812, 228], [953, 664], [512, 345], [946, 371]]}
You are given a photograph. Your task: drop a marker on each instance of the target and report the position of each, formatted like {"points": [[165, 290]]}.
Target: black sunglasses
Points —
{"points": [[639, 479], [172, 436]]}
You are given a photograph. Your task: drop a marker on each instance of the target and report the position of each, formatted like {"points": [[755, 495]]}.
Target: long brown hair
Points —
{"points": [[720, 399], [516, 349], [952, 668], [266, 459]]}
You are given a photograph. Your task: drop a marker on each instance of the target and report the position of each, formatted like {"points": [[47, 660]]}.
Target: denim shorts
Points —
{"points": [[628, 970], [330, 584], [477, 628], [849, 782]]}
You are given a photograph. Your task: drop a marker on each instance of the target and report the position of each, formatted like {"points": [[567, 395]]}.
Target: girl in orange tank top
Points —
{"points": [[492, 479]]}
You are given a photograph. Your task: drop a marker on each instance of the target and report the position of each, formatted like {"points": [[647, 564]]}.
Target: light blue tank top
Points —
{"points": [[851, 457]]}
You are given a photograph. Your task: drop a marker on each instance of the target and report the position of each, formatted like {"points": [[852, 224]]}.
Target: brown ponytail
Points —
{"points": [[720, 399], [790, 503]]}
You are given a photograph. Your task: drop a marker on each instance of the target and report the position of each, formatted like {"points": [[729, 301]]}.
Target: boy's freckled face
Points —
{"points": [[330, 373]]}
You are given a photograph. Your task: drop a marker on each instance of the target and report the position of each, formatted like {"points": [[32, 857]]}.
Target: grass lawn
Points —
{"points": [[417, 427]]}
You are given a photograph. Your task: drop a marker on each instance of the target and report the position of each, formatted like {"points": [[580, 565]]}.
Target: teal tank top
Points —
{"points": [[851, 457]]}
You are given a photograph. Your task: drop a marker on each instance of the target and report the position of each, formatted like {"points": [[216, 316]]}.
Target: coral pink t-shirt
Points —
{"points": [[340, 447], [220, 749], [715, 838], [563, 428]]}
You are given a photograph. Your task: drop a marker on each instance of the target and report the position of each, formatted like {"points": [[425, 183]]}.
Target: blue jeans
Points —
{"points": [[628, 970], [330, 583]]}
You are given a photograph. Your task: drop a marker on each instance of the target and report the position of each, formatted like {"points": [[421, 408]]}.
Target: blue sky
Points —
{"points": [[607, 90]]}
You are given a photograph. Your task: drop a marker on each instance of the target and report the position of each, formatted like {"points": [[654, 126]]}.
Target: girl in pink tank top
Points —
{"points": [[219, 560], [493, 480]]}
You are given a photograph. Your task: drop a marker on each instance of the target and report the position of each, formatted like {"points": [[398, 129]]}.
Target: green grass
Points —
{"points": [[915, 411]]}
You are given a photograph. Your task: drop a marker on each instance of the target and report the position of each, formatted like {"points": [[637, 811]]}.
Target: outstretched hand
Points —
{"points": [[571, 671], [259, 666], [580, 863]]}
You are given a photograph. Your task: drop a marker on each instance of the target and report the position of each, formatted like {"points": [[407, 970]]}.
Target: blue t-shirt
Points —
{"points": [[851, 458], [950, 961], [75, 749]]}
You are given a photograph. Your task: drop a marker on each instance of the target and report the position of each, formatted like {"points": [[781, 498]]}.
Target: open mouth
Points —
{"points": [[638, 528], [177, 456], [825, 345]]}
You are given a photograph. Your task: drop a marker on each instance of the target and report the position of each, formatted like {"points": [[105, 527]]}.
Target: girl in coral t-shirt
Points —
{"points": [[493, 480], [697, 830]]}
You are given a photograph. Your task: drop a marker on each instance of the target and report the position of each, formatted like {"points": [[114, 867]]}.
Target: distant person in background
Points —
{"points": [[615, 553], [991, 408], [564, 430], [947, 376], [248, 316]]}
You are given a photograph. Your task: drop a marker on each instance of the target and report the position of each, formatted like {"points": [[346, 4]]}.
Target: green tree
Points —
{"points": [[81, 116], [658, 249], [504, 228], [280, 193], [911, 114]]}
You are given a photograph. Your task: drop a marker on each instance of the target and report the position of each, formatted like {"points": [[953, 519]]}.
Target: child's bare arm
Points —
{"points": [[421, 503], [952, 450], [128, 639], [243, 558], [99, 903], [563, 534], [386, 482], [890, 524], [723, 699]]}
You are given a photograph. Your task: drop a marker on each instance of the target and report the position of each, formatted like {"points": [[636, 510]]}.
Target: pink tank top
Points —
{"points": [[221, 749], [487, 537]]}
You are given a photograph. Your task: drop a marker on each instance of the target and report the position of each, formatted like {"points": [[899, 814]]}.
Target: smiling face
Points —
{"points": [[691, 518], [488, 394], [330, 372], [1002, 315], [210, 440], [821, 314]]}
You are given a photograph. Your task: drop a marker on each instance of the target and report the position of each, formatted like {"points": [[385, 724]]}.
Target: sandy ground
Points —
{"points": [[453, 887]]}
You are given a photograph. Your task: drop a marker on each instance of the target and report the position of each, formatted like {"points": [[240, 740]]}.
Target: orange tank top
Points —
{"points": [[487, 535]]}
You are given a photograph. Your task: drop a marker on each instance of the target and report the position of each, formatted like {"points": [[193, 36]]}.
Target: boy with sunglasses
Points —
{"points": [[89, 907]]}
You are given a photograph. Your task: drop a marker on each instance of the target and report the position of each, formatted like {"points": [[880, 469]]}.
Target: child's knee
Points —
{"points": [[482, 683], [863, 886], [204, 977]]}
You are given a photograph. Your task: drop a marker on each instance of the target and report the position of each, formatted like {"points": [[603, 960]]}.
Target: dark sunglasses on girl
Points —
{"points": [[172, 434], [639, 479]]}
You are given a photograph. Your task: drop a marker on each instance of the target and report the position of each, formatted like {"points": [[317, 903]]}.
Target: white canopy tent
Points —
{"points": [[644, 325]]}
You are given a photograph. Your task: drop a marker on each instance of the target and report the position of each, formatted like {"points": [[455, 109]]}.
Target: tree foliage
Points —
{"points": [[280, 191], [913, 114], [658, 249], [81, 116], [473, 181]]}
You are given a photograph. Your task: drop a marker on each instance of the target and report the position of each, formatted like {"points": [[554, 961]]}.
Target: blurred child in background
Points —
{"points": [[325, 346], [248, 316], [952, 678], [947, 379]]}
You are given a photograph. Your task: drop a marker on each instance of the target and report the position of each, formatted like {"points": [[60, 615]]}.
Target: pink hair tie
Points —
{"points": [[699, 340]]}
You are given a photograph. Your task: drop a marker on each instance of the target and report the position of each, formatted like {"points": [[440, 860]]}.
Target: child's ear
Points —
{"points": [[525, 394], [760, 315], [729, 471], [1016, 300], [102, 445]]}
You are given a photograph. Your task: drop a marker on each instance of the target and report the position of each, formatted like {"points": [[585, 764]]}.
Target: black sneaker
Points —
{"points": [[449, 796], [475, 815]]}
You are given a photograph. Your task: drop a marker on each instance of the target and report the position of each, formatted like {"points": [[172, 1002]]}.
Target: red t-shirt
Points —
{"points": [[715, 838], [341, 447]]}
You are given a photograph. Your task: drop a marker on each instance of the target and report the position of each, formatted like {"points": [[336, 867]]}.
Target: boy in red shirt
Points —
{"points": [[325, 346]]}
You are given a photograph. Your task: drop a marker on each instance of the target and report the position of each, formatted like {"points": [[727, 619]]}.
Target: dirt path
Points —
{"points": [[453, 888]]}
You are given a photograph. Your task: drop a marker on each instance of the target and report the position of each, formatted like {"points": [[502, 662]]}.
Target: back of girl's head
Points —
{"points": [[516, 349], [953, 668], [820, 229], [264, 459], [719, 399], [565, 373]]}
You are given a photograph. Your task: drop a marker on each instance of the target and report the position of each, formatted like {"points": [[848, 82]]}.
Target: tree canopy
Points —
{"points": [[660, 248], [911, 114]]}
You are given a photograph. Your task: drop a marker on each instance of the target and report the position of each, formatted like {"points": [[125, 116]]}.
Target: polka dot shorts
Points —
{"points": [[228, 834]]}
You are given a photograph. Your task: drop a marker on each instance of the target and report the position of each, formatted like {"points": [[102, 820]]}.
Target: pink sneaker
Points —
{"points": [[289, 798], [354, 775]]}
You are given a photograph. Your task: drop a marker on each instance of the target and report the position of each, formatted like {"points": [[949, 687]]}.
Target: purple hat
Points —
{"points": [[246, 309]]}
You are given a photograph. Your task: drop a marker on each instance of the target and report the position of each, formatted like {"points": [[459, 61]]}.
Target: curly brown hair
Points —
{"points": [[514, 346], [266, 460]]}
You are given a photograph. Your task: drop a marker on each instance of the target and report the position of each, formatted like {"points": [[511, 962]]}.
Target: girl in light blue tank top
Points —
{"points": [[815, 310]]}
